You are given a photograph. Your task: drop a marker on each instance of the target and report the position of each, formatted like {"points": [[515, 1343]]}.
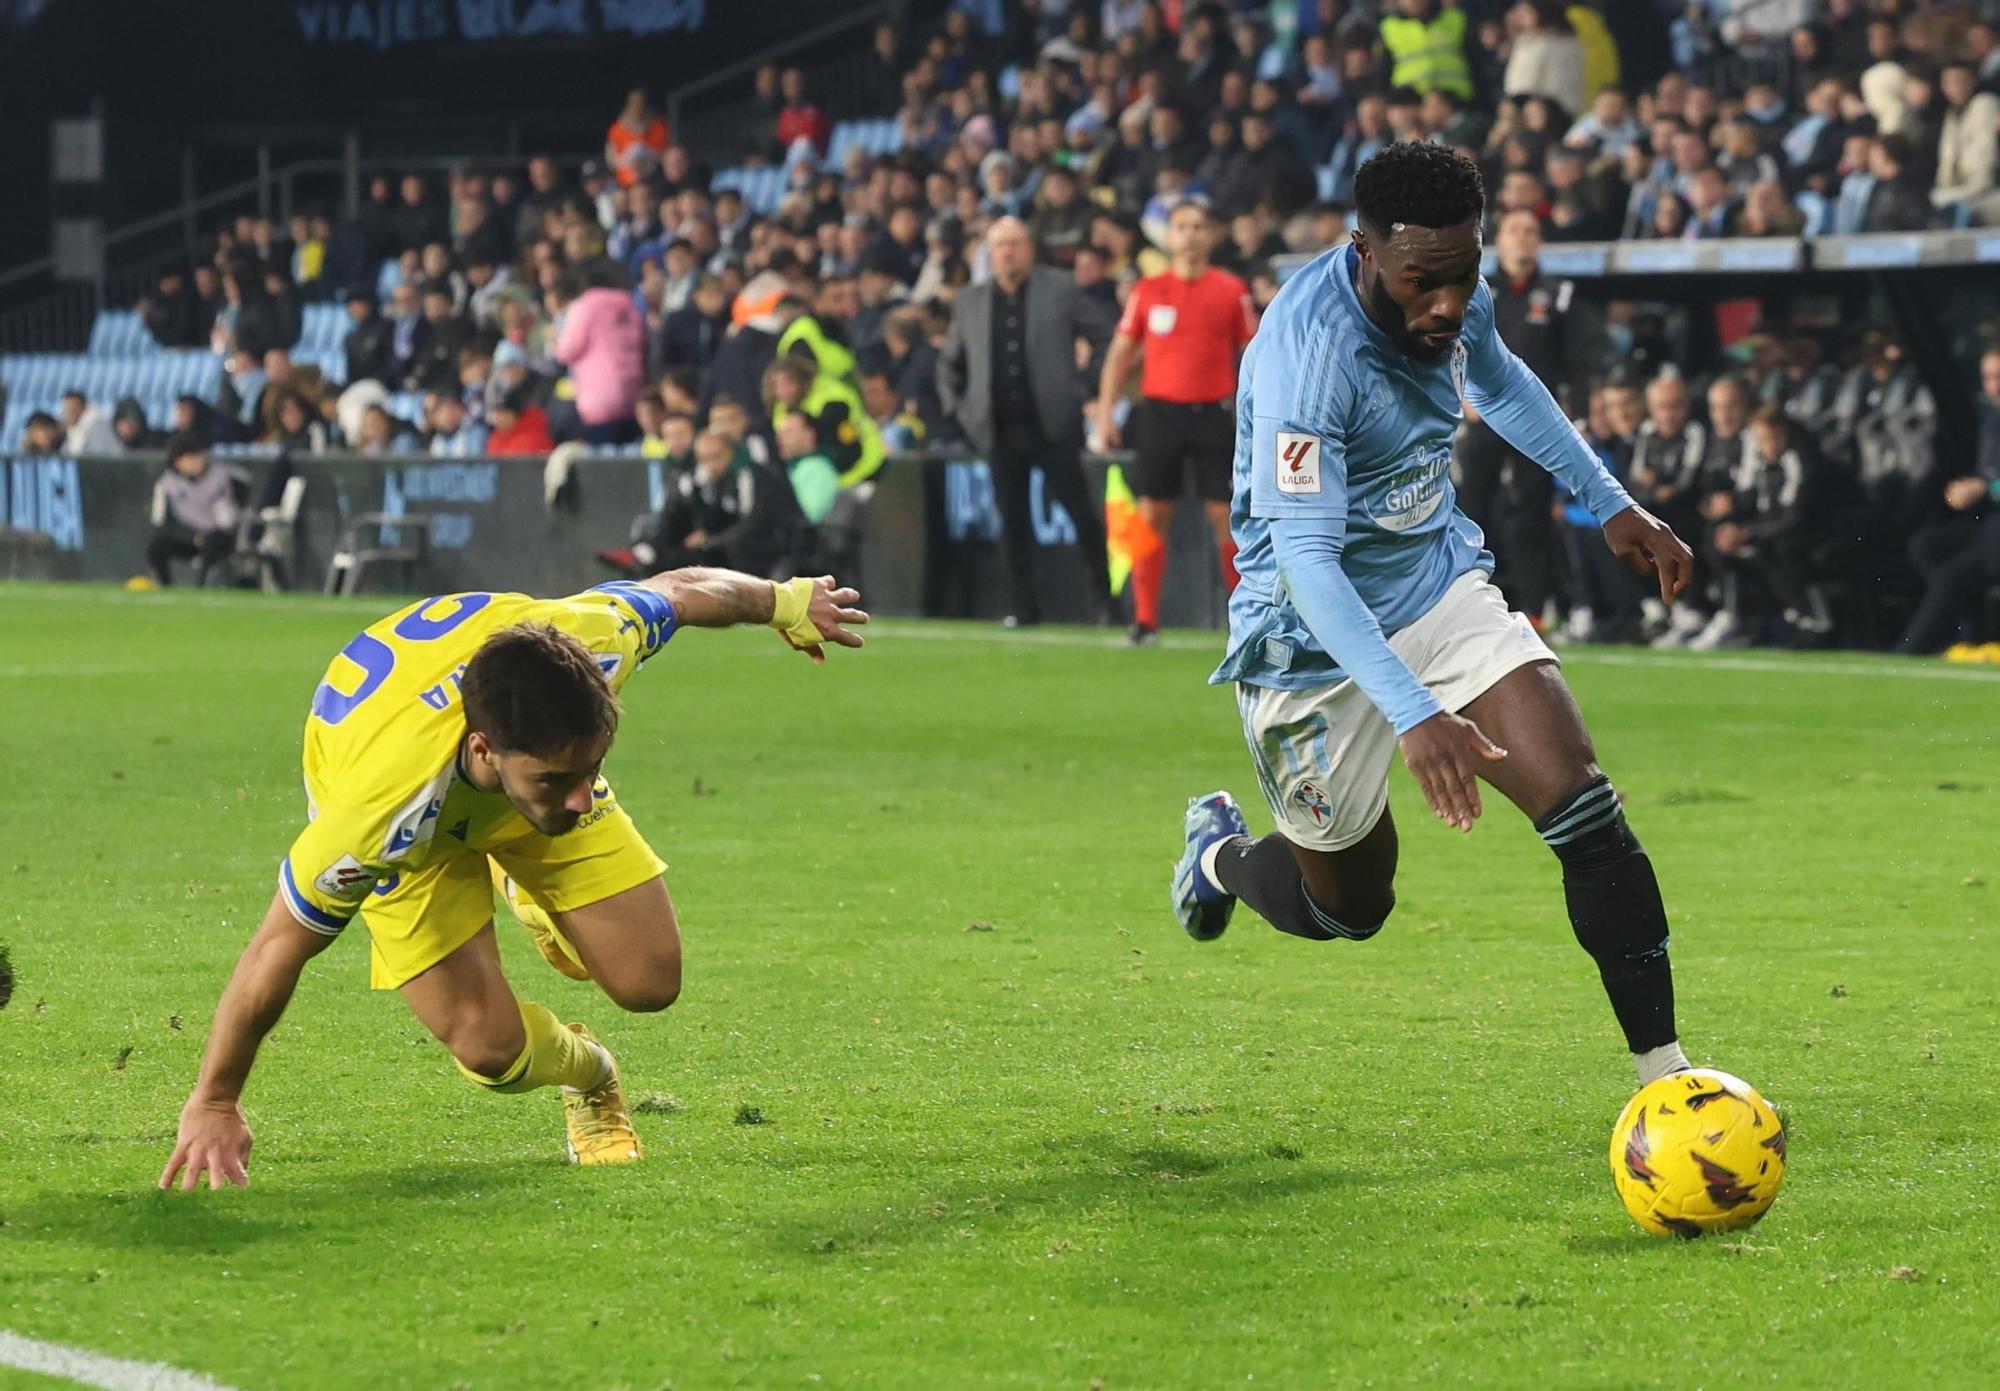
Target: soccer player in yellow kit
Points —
{"points": [[453, 747]]}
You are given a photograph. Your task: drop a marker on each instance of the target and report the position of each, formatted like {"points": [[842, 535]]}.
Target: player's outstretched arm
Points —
{"points": [[214, 1138], [808, 613]]}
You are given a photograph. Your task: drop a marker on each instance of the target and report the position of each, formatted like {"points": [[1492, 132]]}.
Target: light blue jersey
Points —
{"points": [[1346, 524]]}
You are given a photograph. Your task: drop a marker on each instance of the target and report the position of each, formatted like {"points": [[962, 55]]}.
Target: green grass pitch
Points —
{"points": [[948, 1099]]}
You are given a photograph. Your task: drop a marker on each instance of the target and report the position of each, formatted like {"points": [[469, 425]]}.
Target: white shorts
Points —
{"points": [[1323, 754]]}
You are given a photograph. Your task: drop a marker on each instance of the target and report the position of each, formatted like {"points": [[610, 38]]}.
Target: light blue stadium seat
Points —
{"points": [[324, 328], [119, 333]]}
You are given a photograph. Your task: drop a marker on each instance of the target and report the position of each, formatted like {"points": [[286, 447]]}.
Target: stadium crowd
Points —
{"points": [[632, 301]]}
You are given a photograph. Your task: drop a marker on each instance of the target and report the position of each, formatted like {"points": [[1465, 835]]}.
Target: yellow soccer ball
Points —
{"points": [[1697, 1152]]}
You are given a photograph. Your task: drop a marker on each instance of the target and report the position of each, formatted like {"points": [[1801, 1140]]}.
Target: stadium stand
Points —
{"points": [[1680, 126]]}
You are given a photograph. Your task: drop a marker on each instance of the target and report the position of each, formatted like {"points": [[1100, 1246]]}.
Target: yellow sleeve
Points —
{"points": [[623, 622], [331, 869]]}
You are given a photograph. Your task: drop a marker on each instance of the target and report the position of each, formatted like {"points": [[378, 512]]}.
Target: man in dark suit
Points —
{"points": [[1008, 375]]}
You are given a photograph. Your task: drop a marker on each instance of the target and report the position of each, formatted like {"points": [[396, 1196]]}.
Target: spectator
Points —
{"points": [[369, 348], [1604, 595], [815, 481], [1895, 203], [1061, 219], [518, 427], [1545, 57], [42, 435], [295, 424], [845, 428], [196, 505], [1426, 45], [1710, 212], [603, 346], [692, 335], [435, 364], [381, 433], [1608, 127], [1968, 142], [1763, 537], [308, 262], [801, 118], [1008, 377], [729, 510], [128, 422], [1959, 558], [1266, 174], [449, 432], [418, 219], [636, 140], [172, 314], [85, 428]]}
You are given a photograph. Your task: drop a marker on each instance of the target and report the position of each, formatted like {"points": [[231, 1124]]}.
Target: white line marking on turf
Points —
{"points": [[94, 1369]]}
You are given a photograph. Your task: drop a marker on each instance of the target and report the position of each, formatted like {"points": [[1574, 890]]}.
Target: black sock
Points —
{"points": [[1615, 909], [1265, 875]]}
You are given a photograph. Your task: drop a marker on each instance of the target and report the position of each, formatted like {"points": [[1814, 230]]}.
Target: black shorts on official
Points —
{"points": [[1171, 442]]}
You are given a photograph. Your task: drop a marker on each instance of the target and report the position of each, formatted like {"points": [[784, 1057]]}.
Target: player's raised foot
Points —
{"points": [[600, 1128], [1202, 907]]}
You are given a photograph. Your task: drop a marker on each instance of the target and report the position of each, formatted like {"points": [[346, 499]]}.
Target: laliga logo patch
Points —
{"points": [[1160, 319], [1298, 463], [1313, 802], [1458, 367], [344, 879]]}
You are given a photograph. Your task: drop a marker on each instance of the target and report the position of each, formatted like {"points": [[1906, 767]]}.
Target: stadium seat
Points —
{"points": [[324, 329]]}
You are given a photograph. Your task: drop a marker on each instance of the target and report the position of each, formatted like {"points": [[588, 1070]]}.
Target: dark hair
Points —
{"points": [[183, 443], [535, 689], [1423, 185]]}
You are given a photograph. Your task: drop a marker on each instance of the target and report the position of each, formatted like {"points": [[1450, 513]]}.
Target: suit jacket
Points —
{"points": [[1057, 316]]}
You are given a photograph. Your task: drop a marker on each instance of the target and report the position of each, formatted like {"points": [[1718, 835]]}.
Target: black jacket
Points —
{"points": [[371, 351], [688, 338], [750, 515], [435, 366]]}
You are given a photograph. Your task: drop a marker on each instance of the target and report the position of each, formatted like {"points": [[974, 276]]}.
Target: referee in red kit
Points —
{"points": [[1192, 323]]}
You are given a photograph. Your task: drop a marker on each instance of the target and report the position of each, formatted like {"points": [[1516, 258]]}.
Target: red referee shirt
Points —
{"points": [[1192, 331]]}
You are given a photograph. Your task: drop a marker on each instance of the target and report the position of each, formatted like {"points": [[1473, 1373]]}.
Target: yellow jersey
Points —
{"points": [[386, 793]]}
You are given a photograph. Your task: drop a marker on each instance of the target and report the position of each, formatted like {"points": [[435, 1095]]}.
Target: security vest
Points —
{"points": [[1428, 53]]}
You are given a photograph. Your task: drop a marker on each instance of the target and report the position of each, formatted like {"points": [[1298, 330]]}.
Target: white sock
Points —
{"points": [[1664, 1061], [1208, 862]]}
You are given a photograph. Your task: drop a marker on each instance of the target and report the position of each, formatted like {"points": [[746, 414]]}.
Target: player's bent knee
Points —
{"points": [[646, 991]]}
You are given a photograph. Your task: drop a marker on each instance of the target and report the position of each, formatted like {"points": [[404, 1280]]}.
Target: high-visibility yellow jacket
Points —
{"points": [[1428, 53]]}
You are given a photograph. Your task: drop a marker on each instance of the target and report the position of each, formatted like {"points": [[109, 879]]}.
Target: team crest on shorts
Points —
{"points": [[1313, 803]]}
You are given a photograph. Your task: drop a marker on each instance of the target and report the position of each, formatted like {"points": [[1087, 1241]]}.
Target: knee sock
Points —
{"points": [[1616, 911], [555, 1056], [1149, 570], [1265, 874]]}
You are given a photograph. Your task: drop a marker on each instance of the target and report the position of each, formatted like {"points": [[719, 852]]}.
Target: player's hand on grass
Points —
{"points": [[1649, 546], [1443, 754], [832, 613], [214, 1139]]}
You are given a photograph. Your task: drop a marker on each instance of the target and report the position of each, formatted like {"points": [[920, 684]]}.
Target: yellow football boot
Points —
{"points": [[600, 1128], [554, 947]]}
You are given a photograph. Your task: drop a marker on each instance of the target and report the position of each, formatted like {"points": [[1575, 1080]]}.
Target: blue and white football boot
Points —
{"points": [[1202, 908]]}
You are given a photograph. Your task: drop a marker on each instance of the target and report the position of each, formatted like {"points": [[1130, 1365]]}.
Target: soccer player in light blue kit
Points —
{"points": [[1364, 619]]}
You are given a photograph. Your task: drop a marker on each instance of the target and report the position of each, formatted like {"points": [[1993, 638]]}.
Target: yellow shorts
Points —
{"points": [[433, 911]]}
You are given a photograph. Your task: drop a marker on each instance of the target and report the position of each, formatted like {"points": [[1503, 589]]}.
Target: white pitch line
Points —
{"points": [[95, 1369]]}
